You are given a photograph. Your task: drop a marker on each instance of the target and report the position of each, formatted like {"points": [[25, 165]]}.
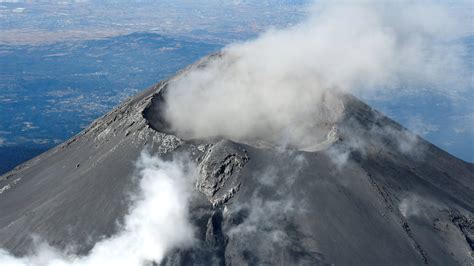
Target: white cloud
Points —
{"points": [[413, 205], [275, 88], [157, 222]]}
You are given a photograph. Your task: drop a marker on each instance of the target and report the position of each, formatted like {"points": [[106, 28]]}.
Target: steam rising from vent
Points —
{"points": [[157, 222], [282, 87]]}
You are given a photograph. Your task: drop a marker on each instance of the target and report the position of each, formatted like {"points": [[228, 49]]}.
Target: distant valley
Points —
{"points": [[50, 92]]}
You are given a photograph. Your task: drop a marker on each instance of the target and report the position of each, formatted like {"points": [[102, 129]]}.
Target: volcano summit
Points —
{"points": [[260, 154], [374, 194]]}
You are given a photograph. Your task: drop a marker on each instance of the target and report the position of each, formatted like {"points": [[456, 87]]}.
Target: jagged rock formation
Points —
{"points": [[219, 171], [373, 194]]}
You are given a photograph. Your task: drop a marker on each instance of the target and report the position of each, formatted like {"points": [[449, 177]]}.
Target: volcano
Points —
{"points": [[368, 193]]}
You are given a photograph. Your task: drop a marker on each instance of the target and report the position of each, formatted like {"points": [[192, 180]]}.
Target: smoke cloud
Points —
{"points": [[413, 205], [156, 223], [261, 229], [282, 87]]}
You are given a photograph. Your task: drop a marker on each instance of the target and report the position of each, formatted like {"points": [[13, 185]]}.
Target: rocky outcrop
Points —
{"points": [[465, 225], [219, 171]]}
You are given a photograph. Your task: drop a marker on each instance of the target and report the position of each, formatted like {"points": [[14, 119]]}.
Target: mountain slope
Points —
{"points": [[377, 195]]}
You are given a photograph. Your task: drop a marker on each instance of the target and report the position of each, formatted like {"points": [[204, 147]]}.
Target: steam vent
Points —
{"points": [[365, 191]]}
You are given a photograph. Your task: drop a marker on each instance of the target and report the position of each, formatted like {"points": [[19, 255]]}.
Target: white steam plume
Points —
{"points": [[413, 205], [275, 88], [157, 222]]}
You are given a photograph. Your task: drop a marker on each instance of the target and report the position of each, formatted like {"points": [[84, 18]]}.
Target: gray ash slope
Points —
{"points": [[367, 199]]}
